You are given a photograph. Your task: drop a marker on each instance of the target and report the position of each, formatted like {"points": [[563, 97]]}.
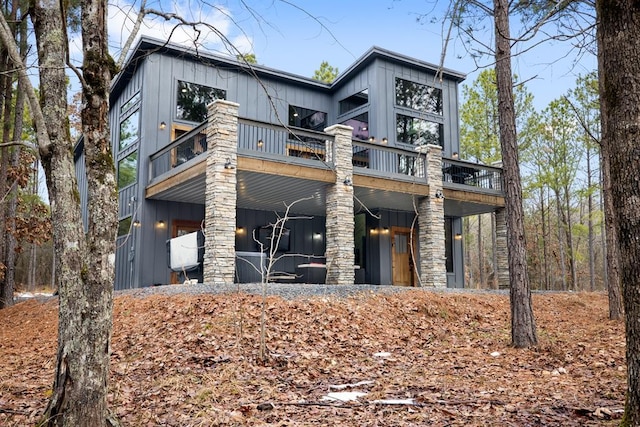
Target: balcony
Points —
{"points": [[283, 163]]}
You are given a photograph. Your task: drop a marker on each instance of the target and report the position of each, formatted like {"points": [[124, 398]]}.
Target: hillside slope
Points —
{"points": [[194, 361]]}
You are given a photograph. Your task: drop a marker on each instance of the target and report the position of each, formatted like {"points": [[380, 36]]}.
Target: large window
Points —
{"points": [[129, 129], [360, 125], [415, 131], [354, 101], [418, 96], [307, 118], [127, 170], [192, 101]]}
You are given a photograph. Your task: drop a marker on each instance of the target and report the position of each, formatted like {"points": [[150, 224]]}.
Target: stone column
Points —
{"points": [[220, 192], [339, 210], [433, 268], [502, 256]]}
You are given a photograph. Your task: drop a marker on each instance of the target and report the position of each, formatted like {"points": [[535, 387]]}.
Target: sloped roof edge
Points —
{"points": [[146, 44]]}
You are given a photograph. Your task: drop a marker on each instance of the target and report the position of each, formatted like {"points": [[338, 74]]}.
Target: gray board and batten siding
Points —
{"points": [[154, 70]]}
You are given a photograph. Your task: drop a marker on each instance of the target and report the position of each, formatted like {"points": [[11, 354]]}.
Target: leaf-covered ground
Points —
{"points": [[195, 361]]}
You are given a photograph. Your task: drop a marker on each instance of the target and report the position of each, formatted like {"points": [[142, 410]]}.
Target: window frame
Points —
{"points": [[177, 98]]}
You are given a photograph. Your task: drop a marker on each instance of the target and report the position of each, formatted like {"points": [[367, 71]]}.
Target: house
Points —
{"points": [[205, 142]]}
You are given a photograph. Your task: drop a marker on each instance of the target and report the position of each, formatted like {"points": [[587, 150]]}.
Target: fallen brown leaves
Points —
{"points": [[193, 361]]}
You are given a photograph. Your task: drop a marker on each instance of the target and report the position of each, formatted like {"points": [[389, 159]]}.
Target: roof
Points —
{"points": [[146, 45]]}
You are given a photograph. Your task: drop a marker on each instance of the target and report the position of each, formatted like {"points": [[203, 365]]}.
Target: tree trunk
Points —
{"points": [[563, 262], [523, 326], [545, 239], [569, 233], [619, 71], [6, 293], [83, 270], [592, 258]]}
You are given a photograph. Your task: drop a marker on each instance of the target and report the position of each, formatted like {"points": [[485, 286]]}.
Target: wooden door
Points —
{"points": [[401, 257], [180, 227]]}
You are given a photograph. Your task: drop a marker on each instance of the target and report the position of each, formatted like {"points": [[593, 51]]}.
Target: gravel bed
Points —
{"points": [[285, 290]]}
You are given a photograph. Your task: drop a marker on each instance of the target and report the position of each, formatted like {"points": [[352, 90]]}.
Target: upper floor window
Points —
{"points": [[415, 131], [129, 130], [354, 101], [360, 125], [418, 96], [192, 100], [307, 118], [130, 103], [127, 170]]}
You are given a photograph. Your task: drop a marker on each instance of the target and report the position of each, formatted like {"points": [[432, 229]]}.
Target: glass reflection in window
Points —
{"points": [[192, 100], [307, 118], [418, 96], [124, 226], [129, 130], [130, 103], [448, 243], [127, 170], [360, 125], [354, 101], [415, 131]]}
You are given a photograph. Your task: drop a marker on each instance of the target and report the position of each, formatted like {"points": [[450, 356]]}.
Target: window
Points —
{"points": [[127, 170], [354, 101], [124, 226], [130, 103], [307, 118], [415, 131], [192, 100], [448, 244], [129, 130], [360, 125], [418, 96]]}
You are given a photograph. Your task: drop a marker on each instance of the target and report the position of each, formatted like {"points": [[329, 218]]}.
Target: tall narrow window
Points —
{"points": [[448, 244], [192, 100], [127, 170], [129, 128]]}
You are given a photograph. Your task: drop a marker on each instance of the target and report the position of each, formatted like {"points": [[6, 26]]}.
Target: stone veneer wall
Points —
{"points": [[339, 210], [502, 255], [433, 269], [220, 192]]}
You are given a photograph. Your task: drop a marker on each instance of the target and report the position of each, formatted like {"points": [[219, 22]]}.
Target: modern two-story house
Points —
{"points": [[367, 167]]}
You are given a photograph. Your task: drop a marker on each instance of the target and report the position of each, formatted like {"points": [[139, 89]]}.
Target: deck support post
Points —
{"points": [[220, 192], [433, 270], [502, 257], [339, 209]]}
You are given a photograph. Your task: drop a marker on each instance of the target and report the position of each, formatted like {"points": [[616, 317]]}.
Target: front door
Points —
{"points": [[180, 227], [402, 257]]}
